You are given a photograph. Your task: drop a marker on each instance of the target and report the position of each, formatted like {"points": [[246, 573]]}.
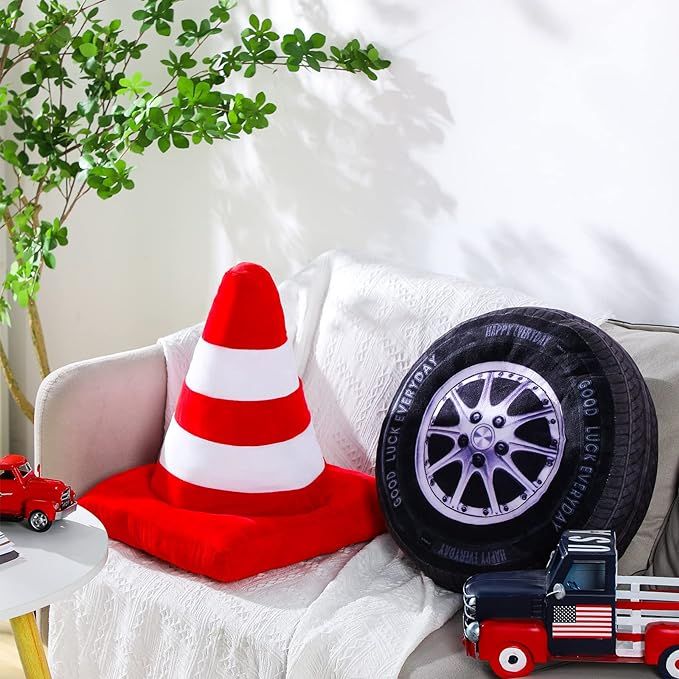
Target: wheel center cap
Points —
{"points": [[483, 437]]}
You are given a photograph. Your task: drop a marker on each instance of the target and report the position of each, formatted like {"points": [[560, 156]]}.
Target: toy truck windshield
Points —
{"points": [[584, 561]]}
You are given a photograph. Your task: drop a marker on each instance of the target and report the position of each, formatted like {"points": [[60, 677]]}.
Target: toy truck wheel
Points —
{"points": [[668, 664], [512, 660], [39, 521]]}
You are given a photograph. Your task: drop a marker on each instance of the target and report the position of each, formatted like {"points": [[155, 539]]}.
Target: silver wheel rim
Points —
{"points": [[479, 439], [38, 520]]}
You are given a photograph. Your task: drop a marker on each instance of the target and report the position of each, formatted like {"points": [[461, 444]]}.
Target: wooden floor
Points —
{"points": [[10, 667]]}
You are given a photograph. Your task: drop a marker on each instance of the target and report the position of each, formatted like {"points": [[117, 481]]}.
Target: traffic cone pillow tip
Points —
{"points": [[240, 444]]}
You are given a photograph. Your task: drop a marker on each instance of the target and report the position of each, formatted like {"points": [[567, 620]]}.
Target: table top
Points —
{"points": [[51, 565]]}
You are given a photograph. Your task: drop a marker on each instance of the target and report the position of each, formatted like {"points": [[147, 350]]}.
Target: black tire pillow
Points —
{"points": [[509, 429]]}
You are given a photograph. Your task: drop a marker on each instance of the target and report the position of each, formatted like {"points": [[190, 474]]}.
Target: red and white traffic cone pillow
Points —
{"points": [[241, 485], [241, 438]]}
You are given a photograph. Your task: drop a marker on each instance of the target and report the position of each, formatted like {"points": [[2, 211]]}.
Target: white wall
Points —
{"points": [[532, 143]]}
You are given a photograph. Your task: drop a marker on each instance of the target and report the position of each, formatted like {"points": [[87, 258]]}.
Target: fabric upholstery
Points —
{"points": [[656, 351], [99, 417]]}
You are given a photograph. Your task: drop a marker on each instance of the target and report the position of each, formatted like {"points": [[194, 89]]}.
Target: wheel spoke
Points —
{"points": [[516, 473], [507, 401], [451, 432], [487, 476], [462, 410], [518, 444], [443, 462], [467, 472], [517, 420], [484, 398]]}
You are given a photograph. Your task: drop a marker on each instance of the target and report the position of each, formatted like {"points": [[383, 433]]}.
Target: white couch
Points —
{"points": [[142, 618]]}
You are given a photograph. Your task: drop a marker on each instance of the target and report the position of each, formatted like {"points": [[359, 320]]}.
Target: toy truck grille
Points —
{"points": [[66, 498], [640, 601]]}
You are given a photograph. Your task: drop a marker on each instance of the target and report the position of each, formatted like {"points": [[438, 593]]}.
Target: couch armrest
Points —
{"points": [[99, 417]]}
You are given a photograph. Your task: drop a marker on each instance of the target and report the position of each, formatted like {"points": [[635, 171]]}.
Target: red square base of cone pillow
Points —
{"points": [[229, 547]]}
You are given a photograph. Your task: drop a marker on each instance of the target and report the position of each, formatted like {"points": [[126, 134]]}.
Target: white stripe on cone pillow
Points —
{"points": [[242, 374]]}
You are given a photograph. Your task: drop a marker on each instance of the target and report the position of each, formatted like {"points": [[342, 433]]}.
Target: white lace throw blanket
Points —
{"points": [[357, 326]]}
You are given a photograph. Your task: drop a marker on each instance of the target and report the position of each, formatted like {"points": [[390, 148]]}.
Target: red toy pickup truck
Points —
{"points": [[24, 495]]}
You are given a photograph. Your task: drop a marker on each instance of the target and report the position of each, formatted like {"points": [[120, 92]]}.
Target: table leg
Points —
{"points": [[29, 645]]}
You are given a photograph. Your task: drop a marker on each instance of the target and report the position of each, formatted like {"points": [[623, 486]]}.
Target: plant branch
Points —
{"points": [[5, 51], [18, 395], [38, 338]]}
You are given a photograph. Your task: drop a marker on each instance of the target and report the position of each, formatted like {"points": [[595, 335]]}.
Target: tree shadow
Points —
{"points": [[545, 18], [339, 166], [605, 276]]}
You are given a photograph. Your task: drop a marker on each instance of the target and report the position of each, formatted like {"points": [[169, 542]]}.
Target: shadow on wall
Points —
{"points": [[545, 18], [508, 256], [338, 166]]}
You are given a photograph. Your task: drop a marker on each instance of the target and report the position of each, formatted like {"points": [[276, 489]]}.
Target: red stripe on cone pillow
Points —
{"points": [[243, 423]]}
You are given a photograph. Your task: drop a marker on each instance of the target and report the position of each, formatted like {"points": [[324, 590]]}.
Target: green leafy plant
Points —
{"points": [[74, 104]]}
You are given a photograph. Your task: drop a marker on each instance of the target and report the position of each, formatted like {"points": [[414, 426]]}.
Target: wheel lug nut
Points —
{"points": [[524, 496], [463, 508], [498, 421], [485, 512], [463, 441], [506, 508], [475, 417], [501, 448], [478, 459]]}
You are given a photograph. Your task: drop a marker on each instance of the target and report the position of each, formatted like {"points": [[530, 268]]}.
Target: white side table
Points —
{"points": [[51, 566]]}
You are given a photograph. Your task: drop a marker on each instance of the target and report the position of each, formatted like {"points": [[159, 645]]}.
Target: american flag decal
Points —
{"points": [[582, 621]]}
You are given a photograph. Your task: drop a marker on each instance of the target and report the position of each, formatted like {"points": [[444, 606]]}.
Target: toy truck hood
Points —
{"points": [[43, 487], [512, 594]]}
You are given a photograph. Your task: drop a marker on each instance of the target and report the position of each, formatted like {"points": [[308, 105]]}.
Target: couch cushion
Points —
{"points": [[656, 351]]}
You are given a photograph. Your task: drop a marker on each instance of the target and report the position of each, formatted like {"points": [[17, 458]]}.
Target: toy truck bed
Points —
{"points": [[640, 601]]}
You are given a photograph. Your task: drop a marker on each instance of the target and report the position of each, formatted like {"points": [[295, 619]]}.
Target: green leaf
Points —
{"points": [[180, 141], [163, 28], [317, 40], [185, 87], [49, 259], [164, 143], [87, 49], [156, 116]]}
